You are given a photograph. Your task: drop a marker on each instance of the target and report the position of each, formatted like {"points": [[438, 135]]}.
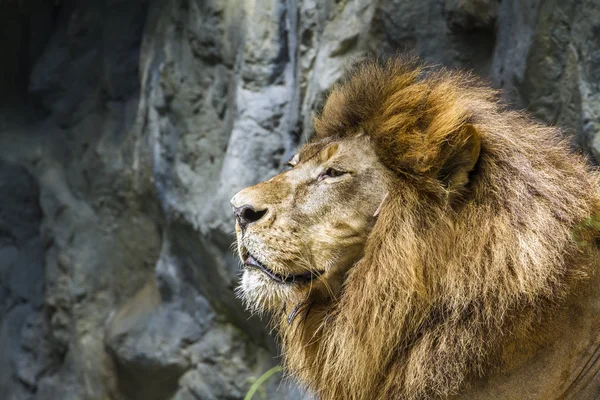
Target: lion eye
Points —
{"points": [[331, 173]]}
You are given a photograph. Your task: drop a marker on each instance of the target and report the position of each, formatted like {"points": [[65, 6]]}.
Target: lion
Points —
{"points": [[428, 243]]}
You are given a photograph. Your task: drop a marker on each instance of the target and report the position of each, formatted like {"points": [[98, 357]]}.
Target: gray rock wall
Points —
{"points": [[126, 126]]}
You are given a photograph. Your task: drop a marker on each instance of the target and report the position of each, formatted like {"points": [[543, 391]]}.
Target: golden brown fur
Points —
{"points": [[481, 235]]}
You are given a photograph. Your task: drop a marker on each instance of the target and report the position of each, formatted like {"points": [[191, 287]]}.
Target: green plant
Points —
{"points": [[256, 385]]}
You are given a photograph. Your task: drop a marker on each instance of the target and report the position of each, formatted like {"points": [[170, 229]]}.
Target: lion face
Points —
{"points": [[299, 232]]}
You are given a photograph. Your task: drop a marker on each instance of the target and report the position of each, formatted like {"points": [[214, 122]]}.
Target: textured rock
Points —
{"points": [[24, 348], [126, 127]]}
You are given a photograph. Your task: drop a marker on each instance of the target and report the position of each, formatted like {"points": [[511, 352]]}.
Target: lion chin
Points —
{"points": [[427, 243], [260, 293], [263, 290]]}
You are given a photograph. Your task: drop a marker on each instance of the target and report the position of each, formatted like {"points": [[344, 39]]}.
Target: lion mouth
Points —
{"points": [[251, 262]]}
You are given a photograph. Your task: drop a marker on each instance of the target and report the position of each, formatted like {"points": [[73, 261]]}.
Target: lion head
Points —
{"points": [[301, 231], [422, 229]]}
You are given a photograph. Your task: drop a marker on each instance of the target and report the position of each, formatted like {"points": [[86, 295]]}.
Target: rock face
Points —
{"points": [[126, 127]]}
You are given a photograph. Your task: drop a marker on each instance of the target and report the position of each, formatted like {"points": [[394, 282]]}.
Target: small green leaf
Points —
{"points": [[256, 385]]}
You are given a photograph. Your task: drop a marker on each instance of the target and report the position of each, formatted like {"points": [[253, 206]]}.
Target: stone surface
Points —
{"points": [[126, 127]]}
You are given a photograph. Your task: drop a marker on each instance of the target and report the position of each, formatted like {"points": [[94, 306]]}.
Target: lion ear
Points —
{"points": [[462, 153]]}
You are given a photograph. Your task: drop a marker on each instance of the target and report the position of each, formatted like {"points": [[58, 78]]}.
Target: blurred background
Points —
{"points": [[127, 125]]}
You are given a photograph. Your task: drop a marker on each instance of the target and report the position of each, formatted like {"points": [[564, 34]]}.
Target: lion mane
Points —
{"points": [[483, 238]]}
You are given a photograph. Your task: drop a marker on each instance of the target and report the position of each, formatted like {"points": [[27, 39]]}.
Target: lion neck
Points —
{"points": [[432, 305]]}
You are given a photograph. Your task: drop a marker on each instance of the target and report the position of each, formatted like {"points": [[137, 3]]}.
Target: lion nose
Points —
{"points": [[246, 215]]}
